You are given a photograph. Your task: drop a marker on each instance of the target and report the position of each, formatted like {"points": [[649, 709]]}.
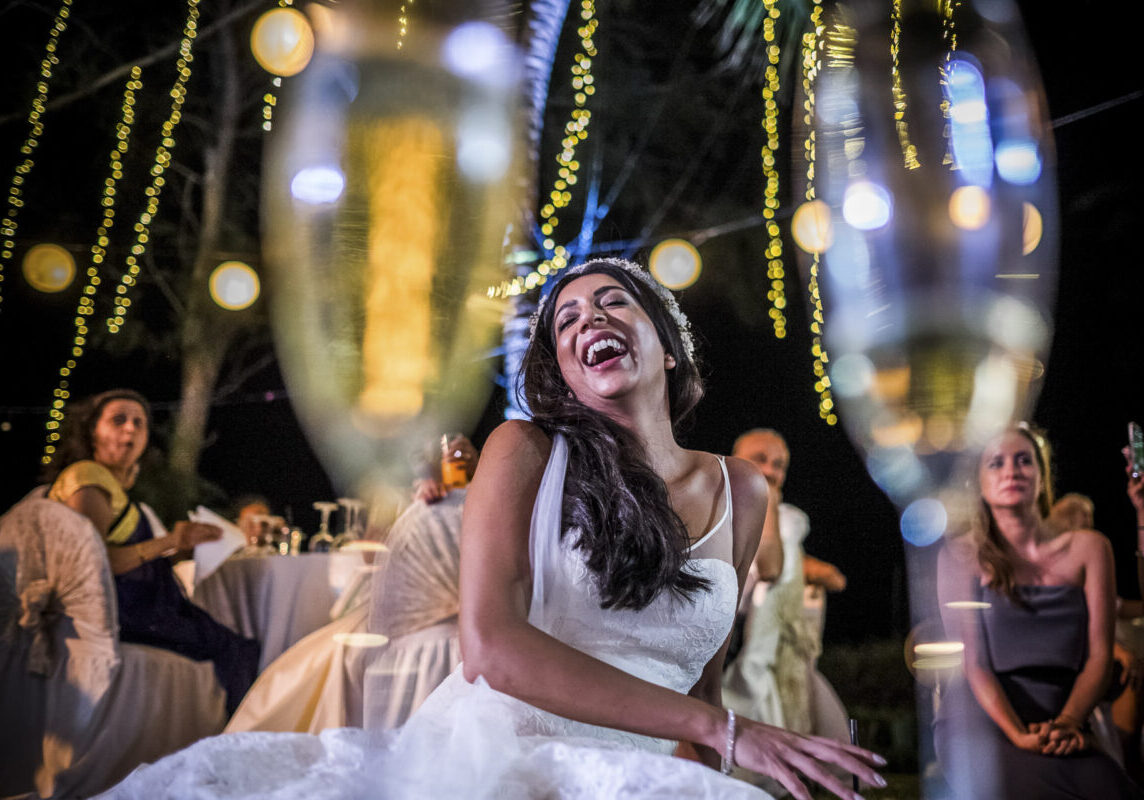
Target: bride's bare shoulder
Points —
{"points": [[515, 447]]}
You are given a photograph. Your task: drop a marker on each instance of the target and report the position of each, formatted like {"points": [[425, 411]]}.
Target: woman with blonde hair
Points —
{"points": [[1034, 608]]}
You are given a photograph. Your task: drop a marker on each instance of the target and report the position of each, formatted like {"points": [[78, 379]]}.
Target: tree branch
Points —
{"points": [[120, 72]]}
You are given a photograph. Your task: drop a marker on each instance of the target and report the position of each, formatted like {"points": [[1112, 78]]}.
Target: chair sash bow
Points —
{"points": [[38, 613]]}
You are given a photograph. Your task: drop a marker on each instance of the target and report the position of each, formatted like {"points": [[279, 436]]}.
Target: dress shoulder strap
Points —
{"points": [[726, 520], [544, 530]]}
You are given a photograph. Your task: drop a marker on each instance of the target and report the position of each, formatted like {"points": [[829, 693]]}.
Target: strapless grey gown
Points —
{"points": [[1036, 652]]}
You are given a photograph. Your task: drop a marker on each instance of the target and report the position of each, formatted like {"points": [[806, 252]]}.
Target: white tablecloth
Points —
{"points": [[277, 600]]}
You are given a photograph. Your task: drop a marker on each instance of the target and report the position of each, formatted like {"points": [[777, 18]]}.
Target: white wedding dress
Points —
{"points": [[470, 741]]}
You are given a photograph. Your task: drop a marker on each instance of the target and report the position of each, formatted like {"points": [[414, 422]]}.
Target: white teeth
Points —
{"points": [[597, 346]]}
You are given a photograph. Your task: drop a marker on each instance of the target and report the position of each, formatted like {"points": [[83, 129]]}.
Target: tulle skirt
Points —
{"points": [[467, 741]]}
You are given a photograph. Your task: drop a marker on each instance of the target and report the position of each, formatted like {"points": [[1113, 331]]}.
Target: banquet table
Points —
{"points": [[276, 599]]}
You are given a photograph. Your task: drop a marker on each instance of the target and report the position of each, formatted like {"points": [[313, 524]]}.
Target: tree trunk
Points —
{"points": [[207, 329]]}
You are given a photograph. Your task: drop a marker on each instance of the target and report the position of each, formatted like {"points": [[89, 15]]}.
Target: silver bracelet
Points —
{"points": [[728, 760]]}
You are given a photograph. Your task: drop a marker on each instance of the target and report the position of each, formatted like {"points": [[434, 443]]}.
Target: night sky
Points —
{"points": [[1089, 393]]}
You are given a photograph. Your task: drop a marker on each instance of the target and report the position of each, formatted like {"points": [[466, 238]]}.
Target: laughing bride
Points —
{"points": [[601, 565]]}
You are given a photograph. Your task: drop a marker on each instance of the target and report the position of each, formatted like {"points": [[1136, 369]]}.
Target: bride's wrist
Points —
{"points": [[713, 729]]}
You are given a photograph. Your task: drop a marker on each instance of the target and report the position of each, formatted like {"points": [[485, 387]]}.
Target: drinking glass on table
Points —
{"points": [[322, 541]]}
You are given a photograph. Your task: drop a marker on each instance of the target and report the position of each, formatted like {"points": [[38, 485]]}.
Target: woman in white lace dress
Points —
{"points": [[601, 565]]}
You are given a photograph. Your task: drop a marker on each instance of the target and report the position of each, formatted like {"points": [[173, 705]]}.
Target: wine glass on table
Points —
{"points": [[323, 541]]}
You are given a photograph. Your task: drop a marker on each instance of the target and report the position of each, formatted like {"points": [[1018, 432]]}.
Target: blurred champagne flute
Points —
{"points": [[931, 173], [391, 181]]}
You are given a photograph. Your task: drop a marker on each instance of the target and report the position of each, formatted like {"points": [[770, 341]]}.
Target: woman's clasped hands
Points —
{"points": [[1061, 736]]}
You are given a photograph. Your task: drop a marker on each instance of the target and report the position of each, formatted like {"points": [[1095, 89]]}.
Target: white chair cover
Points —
{"points": [[315, 685], [415, 605], [80, 710]]}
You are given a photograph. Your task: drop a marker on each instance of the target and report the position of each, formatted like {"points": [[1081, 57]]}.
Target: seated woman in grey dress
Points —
{"points": [[1034, 608]]}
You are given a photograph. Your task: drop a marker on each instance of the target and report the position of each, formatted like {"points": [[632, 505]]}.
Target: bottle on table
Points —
{"points": [[454, 465]]}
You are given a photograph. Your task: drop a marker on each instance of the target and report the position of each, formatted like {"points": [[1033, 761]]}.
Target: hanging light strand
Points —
{"points": [[269, 102], [776, 275], [35, 130], [812, 43], [949, 35], [403, 23], [909, 150], [116, 317], [86, 305], [270, 99], [575, 132]]}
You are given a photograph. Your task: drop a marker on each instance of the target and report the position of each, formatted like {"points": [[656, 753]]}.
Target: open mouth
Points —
{"points": [[604, 350]]}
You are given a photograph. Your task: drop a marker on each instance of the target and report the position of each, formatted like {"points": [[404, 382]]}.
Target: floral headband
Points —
{"points": [[644, 277]]}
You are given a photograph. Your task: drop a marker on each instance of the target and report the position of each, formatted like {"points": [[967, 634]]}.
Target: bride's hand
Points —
{"points": [[784, 755]]}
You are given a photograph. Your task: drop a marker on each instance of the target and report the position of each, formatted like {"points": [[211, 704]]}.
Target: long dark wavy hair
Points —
{"points": [[77, 438], [636, 544], [992, 554]]}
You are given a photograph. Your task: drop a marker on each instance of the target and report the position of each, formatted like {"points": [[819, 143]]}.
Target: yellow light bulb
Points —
{"points": [[1032, 228], [675, 263], [969, 207], [282, 41], [234, 285], [811, 227], [49, 268]]}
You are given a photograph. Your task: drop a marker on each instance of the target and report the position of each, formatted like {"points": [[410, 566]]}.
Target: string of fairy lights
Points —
{"points": [[575, 132], [812, 43], [35, 130], [287, 60], [560, 196], [949, 35], [909, 150], [162, 161], [86, 305], [776, 294], [403, 23], [270, 99]]}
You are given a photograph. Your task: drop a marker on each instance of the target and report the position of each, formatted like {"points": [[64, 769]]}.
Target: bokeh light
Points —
{"points": [[484, 145], [969, 207], [358, 639], [282, 41], [811, 226], [968, 605], [867, 206], [318, 185], [1018, 161], [924, 521], [234, 285], [969, 135], [675, 263], [1032, 228], [479, 51], [851, 375], [49, 268], [931, 657]]}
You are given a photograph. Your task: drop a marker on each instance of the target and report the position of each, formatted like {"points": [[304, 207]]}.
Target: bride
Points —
{"points": [[601, 565]]}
